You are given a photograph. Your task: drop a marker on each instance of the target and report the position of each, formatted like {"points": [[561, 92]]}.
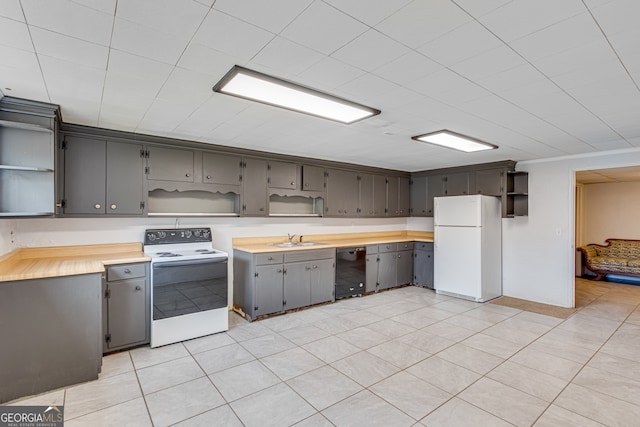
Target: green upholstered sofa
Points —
{"points": [[618, 256]]}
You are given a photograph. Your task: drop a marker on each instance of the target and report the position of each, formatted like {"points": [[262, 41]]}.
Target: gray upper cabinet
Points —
{"points": [[490, 182], [419, 196], [221, 169], [312, 178], [254, 191], [170, 164], [282, 175], [342, 193], [435, 188], [372, 196], [398, 194], [102, 177], [459, 184]]}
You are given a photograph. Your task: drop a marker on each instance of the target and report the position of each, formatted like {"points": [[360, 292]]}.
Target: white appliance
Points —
{"points": [[189, 285], [468, 247]]}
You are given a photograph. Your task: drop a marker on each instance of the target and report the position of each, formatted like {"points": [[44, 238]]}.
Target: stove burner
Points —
{"points": [[205, 251], [167, 254]]}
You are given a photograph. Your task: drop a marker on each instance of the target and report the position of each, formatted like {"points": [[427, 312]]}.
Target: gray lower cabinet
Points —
{"points": [[125, 308], [51, 332], [278, 281], [102, 177], [423, 264], [389, 265]]}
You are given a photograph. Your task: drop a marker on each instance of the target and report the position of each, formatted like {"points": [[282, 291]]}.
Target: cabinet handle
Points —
{"points": [[306, 184], [315, 266], [293, 183], [97, 206], [138, 288], [127, 271], [261, 209], [307, 268], [208, 176], [187, 175], [113, 207], [270, 258], [279, 270]]}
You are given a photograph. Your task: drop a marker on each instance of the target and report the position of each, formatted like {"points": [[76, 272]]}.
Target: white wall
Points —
{"points": [[610, 210], [538, 250], [7, 235]]}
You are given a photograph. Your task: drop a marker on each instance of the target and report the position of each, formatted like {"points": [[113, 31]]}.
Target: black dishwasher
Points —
{"points": [[351, 268]]}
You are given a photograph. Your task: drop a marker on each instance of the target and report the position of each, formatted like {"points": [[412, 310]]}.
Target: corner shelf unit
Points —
{"points": [[517, 197], [26, 169]]}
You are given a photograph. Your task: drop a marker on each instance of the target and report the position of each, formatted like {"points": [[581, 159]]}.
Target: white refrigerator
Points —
{"points": [[468, 247]]}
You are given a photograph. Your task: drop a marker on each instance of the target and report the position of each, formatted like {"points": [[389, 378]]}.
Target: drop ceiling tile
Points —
{"points": [[229, 35], [78, 110], [202, 59], [366, 88], [188, 86], [408, 68], [163, 116], [69, 49], [207, 3], [215, 111], [442, 82], [617, 16], [464, 42], [15, 34], [68, 80], [422, 21], [122, 112], [519, 18], [11, 9], [106, 6], [396, 97], [370, 12], [478, 8], [72, 19], [311, 28], [20, 74], [273, 15], [282, 55], [626, 46], [370, 51], [146, 42], [589, 58], [330, 73], [512, 78], [488, 63], [180, 18], [557, 38], [135, 75]]}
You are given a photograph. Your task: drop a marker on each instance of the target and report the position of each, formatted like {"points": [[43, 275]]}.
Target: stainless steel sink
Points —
{"points": [[311, 243], [295, 244]]}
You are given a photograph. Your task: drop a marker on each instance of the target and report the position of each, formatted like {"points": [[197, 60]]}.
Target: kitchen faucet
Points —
{"points": [[291, 236]]}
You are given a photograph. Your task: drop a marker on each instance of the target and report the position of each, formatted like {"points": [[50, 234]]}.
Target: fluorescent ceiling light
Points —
{"points": [[457, 141], [260, 87]]}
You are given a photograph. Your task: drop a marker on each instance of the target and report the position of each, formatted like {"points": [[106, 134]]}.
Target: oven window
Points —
{"points": [[188, 287]]}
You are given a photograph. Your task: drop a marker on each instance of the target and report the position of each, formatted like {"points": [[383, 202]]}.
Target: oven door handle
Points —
{"points": [[189, 262]]}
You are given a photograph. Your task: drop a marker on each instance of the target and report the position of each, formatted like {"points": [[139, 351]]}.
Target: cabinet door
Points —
{"points": [[170, 164], [423, 267], [392, 196], [312, 178], [221, 169], [404, 190], [342, 193], [371, 272], [323, 275], [365, 196], [418, 196], [435, 188], [124, 179], [404, 273], [387, 269], [254, 193], [283, 175], [379, 195], [127, 317], [489, 182], [84, 176], [456, 184], [268, 292], [297, 285]]}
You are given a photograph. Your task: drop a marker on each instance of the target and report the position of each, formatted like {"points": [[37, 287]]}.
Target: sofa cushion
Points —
{"points": [[608, 263]]}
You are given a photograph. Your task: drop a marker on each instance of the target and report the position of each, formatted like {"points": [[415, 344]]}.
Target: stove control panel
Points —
{"points": [[177, 235]]}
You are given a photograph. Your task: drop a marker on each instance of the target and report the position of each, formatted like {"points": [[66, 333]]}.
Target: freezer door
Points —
{"points": [[458, 211], [457, 261]]}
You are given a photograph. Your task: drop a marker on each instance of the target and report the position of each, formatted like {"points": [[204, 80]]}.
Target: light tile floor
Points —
{"points": [[398, 358]]}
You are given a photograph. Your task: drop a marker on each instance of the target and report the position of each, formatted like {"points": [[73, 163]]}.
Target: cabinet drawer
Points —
{"points": [[388, 247], [372, 249], [309, 255], [270, 258], [424, 246], [405, 246], [126, 271]]}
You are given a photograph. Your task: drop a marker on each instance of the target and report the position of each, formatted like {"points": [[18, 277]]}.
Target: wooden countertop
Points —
{"points": [[37, 263], [267, 244]]}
